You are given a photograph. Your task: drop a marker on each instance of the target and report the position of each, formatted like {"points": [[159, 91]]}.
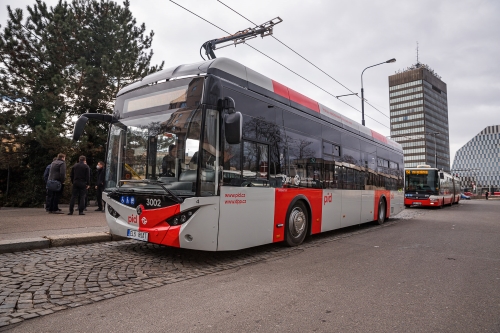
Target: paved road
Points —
{"points": [[439, 271]]}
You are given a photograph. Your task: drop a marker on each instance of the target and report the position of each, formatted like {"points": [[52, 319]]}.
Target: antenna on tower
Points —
{"points": [[417, 54]]}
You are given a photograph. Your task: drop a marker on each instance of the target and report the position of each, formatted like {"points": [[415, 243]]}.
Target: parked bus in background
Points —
{"points": [[215, 156], [431, 187]]}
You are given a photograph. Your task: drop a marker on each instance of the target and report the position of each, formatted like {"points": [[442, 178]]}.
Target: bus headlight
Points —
{"points": [[112, 212], [181, 218]]}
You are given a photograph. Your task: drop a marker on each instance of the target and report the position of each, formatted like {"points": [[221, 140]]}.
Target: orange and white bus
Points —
{"points": [[431, 187], [215, 156]]}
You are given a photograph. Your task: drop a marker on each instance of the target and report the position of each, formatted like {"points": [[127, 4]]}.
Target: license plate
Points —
{"points": [[139, 235], [417, 203]]}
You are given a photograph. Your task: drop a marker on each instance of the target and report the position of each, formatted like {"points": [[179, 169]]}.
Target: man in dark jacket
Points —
{"points": [[99, 186], [45, 178], [57, 172], [80, 178]]}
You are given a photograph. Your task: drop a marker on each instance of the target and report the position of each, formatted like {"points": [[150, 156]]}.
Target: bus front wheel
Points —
{"points": [[382, 211], [296, 224]]}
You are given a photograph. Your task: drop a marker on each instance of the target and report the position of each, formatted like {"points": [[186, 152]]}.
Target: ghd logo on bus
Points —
{"points": [[327, 198], [133, 219]]}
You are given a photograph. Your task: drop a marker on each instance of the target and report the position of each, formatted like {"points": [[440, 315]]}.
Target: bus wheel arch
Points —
{"points": [[382, 210], [298, 221]]}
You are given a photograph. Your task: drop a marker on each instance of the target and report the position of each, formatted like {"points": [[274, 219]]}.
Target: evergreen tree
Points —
{"points": [[56, 64]]}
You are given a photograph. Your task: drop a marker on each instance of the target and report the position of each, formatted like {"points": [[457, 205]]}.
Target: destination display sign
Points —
{"points": [[174, 97], [417, 172]]}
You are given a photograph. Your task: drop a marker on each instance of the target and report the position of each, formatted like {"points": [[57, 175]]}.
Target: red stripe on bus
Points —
{"points": [[153, 221], [379, 137], [303, 100], [280, 89], [316, 200], [172, 237], [283, 198], [378, 195], [295, 96]]}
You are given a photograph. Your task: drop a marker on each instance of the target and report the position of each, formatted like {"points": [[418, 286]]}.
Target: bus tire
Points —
{"points": [[441, 206], [407, 206], [297, 221], [382, 211]]}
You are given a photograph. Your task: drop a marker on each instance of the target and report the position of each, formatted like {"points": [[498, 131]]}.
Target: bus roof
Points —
{"points": [[243, 76], [420, 168]]}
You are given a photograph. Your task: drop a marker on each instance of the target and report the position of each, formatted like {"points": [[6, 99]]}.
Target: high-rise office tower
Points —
{"points": [[419, 116]]}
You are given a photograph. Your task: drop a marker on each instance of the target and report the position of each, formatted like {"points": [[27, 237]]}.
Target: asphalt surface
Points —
{"points": [[428, 271]]}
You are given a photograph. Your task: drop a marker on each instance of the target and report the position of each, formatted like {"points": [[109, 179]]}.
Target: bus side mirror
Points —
{"points": [[233, 125], [233, 121], [79, 126]]}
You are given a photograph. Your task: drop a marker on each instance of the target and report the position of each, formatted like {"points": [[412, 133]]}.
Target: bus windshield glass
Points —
{"points": [[424, 181], [157, 146]]}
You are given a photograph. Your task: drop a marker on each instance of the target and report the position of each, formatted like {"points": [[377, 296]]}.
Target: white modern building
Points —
{"points": [[478, 161]]}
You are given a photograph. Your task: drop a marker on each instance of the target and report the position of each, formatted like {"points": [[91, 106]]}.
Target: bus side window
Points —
{"points": [[255, 163], [209, 154], [231, 174], [329, 172], [339, 176], [361, 180]]}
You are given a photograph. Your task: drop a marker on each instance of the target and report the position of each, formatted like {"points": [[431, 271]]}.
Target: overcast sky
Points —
{"points": [[459, 39]]}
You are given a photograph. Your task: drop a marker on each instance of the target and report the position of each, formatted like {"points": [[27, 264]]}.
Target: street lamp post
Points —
{"points": [[435, 149], [362, 95]]}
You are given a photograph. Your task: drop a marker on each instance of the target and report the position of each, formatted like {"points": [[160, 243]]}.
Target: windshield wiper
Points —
{"points": [[159, 183]]}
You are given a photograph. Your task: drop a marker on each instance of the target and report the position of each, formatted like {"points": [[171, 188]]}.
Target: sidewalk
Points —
{"points": [[32, 228]]}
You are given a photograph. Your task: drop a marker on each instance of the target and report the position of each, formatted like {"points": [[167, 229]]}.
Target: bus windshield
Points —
{"points": [[159, 147], [424, 181]]}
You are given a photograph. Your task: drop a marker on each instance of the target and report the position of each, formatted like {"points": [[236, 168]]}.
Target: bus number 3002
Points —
{"points": [[153, 202]]}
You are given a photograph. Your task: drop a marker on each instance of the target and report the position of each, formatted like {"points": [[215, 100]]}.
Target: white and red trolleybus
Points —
{"points": [[426, 186], [215, 156]]}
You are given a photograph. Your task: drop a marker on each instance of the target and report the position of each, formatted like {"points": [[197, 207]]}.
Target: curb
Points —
{"points": [[8, 246], [79, 239], [24, 244]]}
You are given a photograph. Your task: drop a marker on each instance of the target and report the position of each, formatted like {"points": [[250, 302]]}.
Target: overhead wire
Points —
{"points": [[307, 60], [366, 101], [277, 61]]}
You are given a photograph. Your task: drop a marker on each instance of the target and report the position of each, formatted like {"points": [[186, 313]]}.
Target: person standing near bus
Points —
{"points": [[87, 190], [487, 194], [45, 178], [80, 178], [57, 172], [99, 185]]}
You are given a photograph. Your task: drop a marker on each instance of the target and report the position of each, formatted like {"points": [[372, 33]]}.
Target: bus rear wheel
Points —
{"points": [[297, 221], [382, 211]]}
